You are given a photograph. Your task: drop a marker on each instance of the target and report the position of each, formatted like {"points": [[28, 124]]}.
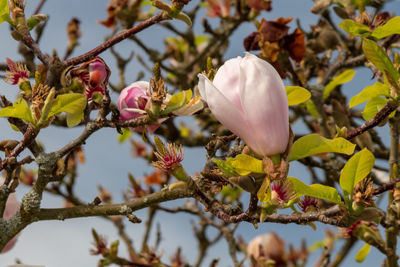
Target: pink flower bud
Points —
{"points": [[216, 8], [97, 72], [12, 206], [98, 77], [267, 247], [249, 98], [132, 102]]}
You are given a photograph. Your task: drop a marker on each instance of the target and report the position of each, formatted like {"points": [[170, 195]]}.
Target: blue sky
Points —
{"points": [[66, 243]]}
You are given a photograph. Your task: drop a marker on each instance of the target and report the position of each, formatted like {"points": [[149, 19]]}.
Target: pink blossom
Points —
{"points": [[218, 8], [248, 97], [132, 102], [98, 77], [12, 206]]}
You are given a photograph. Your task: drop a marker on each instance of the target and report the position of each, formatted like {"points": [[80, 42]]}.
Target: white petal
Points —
{"points": [[264, 102]]}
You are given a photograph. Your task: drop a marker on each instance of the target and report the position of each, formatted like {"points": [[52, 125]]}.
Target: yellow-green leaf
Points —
{"points": [[314, 144], [315, 190], [354, 28], [70, 103], [126, 133], [373, 106], [74, 119], [380, 59], [177, 101], [312, 109], [199, 39], [4, 11], [370, 92], [227, 169], [297, 95], [342, 78], [231, 192], [355, 170], [363, 253], [245, 164], [389, 28], [20, 110], [264, 193], [73, 103]]}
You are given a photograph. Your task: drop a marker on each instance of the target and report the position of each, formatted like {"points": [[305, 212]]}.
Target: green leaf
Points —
{"points": [[373, 106], [390, 27], [199, 39], [74, 119], [314, 144], [231, 192], [4, 11], [126, 133], [363, 253], [245, 164], [227, 169], [74, 104], [70, 103], [342, 78], [297, 95], [177, 101], [354, 28], [355, 170], [264, 193], [312, 109], [380, 59], [370, 92], [19, 110], [315, 190]]}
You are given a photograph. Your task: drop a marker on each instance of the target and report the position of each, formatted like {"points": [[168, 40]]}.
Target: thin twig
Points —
{"points": [[115, 39], [39, 7], [378, 118]]}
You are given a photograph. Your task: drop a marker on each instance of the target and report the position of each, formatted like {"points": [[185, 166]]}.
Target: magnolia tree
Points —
{"points": [[243, 112]]}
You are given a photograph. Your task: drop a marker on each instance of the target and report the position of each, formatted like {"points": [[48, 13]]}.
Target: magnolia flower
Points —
{"points": [[12, 206], [249, 98], [132, 102]]}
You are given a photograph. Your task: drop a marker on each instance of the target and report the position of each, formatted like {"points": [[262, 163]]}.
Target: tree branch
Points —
{"points": [[116, 39], [378, 118]]}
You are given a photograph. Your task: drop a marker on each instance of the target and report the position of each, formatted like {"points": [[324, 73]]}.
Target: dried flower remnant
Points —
{"points": [[273, 40], [248, 97], [308, 204], [156, 178], [38, 98], [260, 5], [18, 73], [364, 192], [73, 33]]}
